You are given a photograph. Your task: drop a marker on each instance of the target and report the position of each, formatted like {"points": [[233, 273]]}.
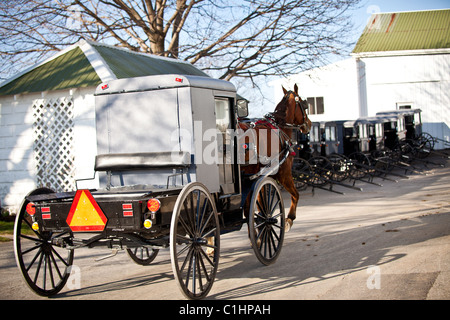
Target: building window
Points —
{"points": [[315, 105], [404, 105]]}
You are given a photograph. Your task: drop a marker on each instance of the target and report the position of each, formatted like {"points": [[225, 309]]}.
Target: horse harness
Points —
{"points": [[273, 118]]}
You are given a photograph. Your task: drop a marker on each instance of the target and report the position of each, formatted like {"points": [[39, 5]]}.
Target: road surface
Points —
{"points": [[390, 242]]}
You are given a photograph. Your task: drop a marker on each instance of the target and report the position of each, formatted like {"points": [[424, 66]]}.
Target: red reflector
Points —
{"points": [[128, 213], [105, 86], [178, 80], [31, 209], [127, 209], [46, 213], [153, 205]]}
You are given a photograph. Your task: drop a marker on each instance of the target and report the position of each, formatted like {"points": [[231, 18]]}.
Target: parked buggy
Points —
{"points": [[324, 166], [415, 143], [169, 177]]}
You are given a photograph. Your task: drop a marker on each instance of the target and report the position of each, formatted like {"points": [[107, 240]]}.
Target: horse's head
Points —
{"points": [[291, 111]]}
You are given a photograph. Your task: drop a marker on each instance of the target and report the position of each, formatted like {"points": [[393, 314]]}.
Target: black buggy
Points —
{"points": [[169, 177]]}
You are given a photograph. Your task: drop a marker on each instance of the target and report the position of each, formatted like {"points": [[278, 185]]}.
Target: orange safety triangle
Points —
{"points": [[85, 214]]}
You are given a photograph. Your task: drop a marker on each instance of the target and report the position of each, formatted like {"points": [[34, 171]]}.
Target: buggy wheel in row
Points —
{"points": [[266, 221], [195, 241], [40, 255]]}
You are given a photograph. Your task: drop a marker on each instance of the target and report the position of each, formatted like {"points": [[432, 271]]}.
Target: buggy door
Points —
{"points": [[226, 154]]}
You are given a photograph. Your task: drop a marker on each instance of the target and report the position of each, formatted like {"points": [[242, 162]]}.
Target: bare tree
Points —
{"points": [[227, 38]]}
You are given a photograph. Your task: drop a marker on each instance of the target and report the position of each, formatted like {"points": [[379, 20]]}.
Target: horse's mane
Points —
{"points": [[279, 114]]}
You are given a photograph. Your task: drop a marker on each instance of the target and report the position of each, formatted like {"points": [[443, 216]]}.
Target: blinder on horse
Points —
{"points": [[279, 116]]}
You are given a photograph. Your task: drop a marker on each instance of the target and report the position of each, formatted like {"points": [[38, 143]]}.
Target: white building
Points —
{"points": [[47, 116], [402, 60]]}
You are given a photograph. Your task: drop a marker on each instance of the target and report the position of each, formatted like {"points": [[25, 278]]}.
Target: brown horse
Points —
{"points": [[289, 114]]}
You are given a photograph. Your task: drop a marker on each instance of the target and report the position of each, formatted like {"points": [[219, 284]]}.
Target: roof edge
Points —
{"points": [[137, 53], [97, 62], [412, 11], [374, 54]]}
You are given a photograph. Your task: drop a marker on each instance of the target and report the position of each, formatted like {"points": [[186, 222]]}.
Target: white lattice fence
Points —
{"points": [[53, 143]]}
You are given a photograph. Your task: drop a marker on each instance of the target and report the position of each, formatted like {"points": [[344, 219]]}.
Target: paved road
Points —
{"points": [[390, 242]]}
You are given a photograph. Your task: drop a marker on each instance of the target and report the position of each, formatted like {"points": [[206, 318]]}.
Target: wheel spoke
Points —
{"points": [[34, 259], [38, 268], [31, 238], [59, 257], [56, 265], [186, 227], [187, 258], [207, 259], [31, 249], [209, 233], [50, 270]]}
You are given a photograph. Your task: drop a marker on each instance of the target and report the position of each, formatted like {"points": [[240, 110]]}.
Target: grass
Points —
{"points": [[6, 227]]}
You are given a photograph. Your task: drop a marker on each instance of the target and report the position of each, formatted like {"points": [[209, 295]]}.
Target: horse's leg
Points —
{"points": [[284, 176], [290, 187]]}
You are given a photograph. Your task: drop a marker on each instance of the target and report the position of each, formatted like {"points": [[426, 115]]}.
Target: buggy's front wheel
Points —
{"points": [[195, 241]]}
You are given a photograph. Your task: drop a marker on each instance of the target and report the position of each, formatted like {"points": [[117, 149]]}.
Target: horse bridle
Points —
{"points": [[297, 104]]}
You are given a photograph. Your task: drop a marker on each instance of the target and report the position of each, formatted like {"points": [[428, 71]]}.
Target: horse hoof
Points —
{"points": [[288, 225], [210, 252]]}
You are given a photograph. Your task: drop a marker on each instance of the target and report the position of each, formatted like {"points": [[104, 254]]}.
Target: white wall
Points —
{"points": [[335, 82], [17, 163], [17, 167], [420, 80]]}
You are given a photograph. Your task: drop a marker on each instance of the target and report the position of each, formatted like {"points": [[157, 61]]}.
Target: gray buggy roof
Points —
{"points": [[148, 83]]}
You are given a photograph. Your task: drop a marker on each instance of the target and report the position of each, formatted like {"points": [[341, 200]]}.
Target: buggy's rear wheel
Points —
{"points": [[266, 221], [40, 255], [195, 241]]}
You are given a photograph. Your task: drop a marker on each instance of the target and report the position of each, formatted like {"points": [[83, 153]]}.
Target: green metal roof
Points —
{"points": [[418, 30], [73, 69], [70, 70]]}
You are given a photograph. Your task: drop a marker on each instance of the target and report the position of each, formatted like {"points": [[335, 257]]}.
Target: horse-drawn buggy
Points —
{"points": [[173, 172]]}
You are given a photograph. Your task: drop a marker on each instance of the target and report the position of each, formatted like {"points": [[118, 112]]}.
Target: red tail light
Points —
{"points": [[153, 205], [31, 209]]}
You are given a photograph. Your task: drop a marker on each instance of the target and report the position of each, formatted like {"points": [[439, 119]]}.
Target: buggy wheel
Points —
{"points": [[340, 166], [360, 165], [301, 172], [428, 138], [425, 145], [322, 170], [266, 221], [142, 255], [195, 241], [40, 255]]}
